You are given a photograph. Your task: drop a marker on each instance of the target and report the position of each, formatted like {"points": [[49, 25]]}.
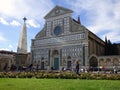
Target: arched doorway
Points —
{"points": [[56, 63], [115, 62], [101, 62], [93, 62], [55, 54]]}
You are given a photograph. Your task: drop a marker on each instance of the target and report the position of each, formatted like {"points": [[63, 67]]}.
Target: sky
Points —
{"points": [[102, 17]]}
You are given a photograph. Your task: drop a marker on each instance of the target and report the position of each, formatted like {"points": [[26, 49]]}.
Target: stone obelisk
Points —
{"points": [[22, 45]]}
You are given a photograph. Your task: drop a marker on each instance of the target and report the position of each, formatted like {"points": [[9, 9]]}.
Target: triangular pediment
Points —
{"points": [[56, 11]]}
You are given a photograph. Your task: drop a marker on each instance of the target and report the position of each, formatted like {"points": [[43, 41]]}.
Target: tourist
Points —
{"points": [[77, 67], [115, 69], [30, 67]]}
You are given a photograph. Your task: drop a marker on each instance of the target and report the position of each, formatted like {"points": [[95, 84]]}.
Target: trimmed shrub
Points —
{"points": [[62, 75]]}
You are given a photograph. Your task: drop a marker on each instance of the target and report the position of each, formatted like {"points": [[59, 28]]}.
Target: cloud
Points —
{"points": [[15, 23], [3, 21], [21, 8], [6, 49], [34, 9], [33, 23], [10, 46], [100, 15]]}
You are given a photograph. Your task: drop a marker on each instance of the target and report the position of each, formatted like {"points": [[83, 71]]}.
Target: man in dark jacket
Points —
{"points": [[77, 67]]}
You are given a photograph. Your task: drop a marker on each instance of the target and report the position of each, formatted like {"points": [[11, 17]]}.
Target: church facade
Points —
{"points": [[63, 41]]}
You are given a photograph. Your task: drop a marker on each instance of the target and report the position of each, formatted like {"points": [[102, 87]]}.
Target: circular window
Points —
{"points": [[57, 30]]}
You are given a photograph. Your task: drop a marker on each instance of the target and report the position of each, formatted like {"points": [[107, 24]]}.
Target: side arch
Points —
{"points": [[93, 61]]}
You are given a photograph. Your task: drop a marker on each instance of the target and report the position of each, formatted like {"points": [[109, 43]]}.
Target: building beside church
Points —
{"points": [[10, 58], [63, 41], [6, 59]]}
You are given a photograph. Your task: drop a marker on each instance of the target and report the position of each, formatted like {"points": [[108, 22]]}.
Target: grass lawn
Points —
{"points": [[57, 84]]}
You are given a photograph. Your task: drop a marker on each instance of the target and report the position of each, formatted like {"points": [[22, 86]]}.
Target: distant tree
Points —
{"points": [[106, 46], [114, 49], [110, 49]]}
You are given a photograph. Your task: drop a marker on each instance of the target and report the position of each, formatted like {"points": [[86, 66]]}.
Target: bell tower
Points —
{"points": [[22, 45]]}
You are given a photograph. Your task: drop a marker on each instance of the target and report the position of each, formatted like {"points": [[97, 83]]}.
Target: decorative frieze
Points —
{"points": [[61, 39]]}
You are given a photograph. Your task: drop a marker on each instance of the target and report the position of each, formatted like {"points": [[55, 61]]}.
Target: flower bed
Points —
{"points": [[62, 75]]}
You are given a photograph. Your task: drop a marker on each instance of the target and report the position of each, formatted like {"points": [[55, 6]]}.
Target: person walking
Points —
{"points": [[77, 68]]}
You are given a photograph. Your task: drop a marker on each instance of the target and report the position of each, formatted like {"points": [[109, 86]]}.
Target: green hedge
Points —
{"points": [[62, 75]]}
